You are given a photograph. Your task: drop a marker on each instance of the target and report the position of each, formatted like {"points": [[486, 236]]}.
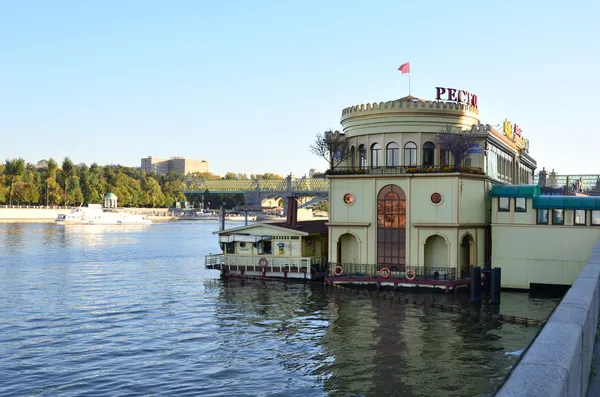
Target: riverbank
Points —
{"points": [[49, 214]]}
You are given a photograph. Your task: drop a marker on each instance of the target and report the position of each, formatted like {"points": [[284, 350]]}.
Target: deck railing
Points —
{"points": [[411, 169], [273, 264], [354, 270]]}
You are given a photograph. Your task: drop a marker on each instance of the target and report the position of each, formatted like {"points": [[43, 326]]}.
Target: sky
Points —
{"points": [[247, 85]]}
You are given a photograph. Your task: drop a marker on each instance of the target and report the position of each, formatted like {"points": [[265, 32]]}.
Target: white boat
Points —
{"points": [[93, 214]]}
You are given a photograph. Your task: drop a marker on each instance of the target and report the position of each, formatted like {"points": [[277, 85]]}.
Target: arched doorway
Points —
{"points": [[467, 255], [348, 249], [436, 252], [391, 228]]}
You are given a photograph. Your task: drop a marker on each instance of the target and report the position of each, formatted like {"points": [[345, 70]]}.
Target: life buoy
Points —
{"points": [[411, 275], [338, 270], [385, 272], [263, 262]]}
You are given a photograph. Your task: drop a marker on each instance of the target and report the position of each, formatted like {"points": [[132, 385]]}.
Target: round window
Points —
{"points": [[242, 244], [349, 198], [436, 198]]}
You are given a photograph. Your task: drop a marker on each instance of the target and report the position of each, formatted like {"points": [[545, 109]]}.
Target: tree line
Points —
{"points": [[48, 183]]}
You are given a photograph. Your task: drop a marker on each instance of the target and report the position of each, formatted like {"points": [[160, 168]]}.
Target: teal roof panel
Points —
{"points": [[567, 202], [525, 191]]}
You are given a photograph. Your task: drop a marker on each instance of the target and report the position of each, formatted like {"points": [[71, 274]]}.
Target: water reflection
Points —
{"points": [[362, 345], [11, 236], [90, 310]]}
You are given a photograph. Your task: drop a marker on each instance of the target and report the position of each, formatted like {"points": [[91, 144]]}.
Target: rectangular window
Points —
{"points": [[579, 217], [444, 157], [503, 204], [542, 217], [558, 217], [520, 204], [595, 219]]}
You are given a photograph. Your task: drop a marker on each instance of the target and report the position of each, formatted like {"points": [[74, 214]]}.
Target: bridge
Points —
{"points": [[257, 190]]}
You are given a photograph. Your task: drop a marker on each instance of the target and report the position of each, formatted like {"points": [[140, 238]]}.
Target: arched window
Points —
{"points": [[375, 155], [353, 157], [392, 154], [391, 228], [362, 156], [428, 154], [410, 154]]}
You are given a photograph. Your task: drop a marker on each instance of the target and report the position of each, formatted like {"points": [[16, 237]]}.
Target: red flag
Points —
{"points": [[404, 68]]}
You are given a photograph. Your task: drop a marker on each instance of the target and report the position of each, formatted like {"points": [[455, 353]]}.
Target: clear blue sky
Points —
{"points": [[246, 85]]}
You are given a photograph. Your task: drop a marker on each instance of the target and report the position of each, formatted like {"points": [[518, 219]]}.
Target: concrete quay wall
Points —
{"points": [[43, 214], [31, 214], [559, 361]]}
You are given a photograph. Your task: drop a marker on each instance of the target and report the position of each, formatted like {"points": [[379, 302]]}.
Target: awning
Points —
{"points": [[523, 191], [567, 202], [242, 238]]}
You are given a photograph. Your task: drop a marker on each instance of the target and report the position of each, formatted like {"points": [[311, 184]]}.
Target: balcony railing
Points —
{"points": [[273, 264], [358, 271], [426, 169]]}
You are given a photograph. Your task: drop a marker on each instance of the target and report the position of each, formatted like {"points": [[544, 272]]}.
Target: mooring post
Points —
{"points": [[487, 274], [476, 284], [222, 217], [496, 282]]}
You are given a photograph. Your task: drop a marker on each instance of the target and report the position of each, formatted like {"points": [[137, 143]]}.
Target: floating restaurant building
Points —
{"points": [[402, 212]]}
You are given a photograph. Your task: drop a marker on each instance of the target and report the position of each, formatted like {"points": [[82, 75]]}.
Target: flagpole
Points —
{"points": [[408, 83]]}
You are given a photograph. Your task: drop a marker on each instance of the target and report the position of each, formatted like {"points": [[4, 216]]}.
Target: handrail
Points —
{"points": [[354, 270], [425, 169]]}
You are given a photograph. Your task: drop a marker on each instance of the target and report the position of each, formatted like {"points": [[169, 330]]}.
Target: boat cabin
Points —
{"points": [[288, 249]]}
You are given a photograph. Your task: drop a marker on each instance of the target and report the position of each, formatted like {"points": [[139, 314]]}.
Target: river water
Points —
{"points": [[119, 311]]}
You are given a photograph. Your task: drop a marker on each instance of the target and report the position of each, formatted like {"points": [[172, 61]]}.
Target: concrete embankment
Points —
{"points": [[559, 361], [43, 214]]}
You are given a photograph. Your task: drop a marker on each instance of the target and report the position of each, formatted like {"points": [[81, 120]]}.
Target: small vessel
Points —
{"points": [[94, 214]]}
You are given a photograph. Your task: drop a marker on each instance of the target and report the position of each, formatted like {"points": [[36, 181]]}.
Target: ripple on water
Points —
{"points": [[107, 312]]}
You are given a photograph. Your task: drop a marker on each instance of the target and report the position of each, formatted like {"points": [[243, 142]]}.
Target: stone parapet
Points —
{"points": [[558, 362]]}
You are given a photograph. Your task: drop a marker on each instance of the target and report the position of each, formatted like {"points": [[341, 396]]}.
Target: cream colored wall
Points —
{"points": [[422, 210], [436, 251], [398, 116], [540, 253], [472, 195], [290, 247], [512, 217], [423, 218]]}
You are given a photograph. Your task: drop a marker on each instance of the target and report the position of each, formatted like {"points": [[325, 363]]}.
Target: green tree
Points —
{"points": [[68, 171], [13, 169], [266, 175]]}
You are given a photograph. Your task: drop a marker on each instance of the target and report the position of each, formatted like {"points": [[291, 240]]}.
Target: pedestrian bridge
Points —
{"points": [[256, 190]]}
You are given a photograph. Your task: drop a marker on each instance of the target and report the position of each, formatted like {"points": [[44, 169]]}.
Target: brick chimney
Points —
{"points": [[292, 212]]}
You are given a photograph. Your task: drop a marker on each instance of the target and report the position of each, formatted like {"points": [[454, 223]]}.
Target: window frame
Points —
{"points": [[524, 207], [592, 218], [410, 151], [392, 152], [584, 218], [500, 209], [376, 155], [555, 210], [428, 154], [362, 157], [537, 216]]}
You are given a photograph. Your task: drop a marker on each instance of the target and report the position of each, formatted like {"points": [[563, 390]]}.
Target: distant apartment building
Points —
{"points": [[155, 165]]}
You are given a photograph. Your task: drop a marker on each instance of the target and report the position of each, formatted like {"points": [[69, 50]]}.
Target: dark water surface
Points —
{"points": [[118, 311]]}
